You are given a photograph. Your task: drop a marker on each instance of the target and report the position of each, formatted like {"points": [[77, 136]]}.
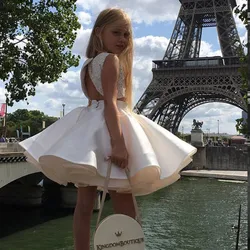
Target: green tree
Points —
{"points": [[241, 125], [241, 11], [36, 38], [18, 115], [24, 118], [11, 129]]}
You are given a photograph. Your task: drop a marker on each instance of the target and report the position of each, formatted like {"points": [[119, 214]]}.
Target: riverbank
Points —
{"points": [[217, 174]]}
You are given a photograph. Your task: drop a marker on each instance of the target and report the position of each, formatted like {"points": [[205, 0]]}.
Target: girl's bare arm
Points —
{"points": [[109, 77]]}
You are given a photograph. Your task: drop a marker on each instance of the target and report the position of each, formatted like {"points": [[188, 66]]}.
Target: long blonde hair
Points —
{"points": [[95, 46]]}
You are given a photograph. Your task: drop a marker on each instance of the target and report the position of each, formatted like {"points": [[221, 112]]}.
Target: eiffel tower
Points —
{"points": [[182, 80]]}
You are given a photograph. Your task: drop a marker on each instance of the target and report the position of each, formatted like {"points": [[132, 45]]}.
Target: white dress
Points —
{"points": [[74, 148]]}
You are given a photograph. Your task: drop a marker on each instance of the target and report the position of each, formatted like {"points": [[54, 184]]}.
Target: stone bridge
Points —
{"points": [[13, 165]]}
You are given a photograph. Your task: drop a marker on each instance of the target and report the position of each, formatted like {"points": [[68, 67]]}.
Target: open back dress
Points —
{"points": [[74, 148]]}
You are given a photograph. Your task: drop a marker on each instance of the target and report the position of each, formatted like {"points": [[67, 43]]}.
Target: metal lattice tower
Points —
{"points": [[183, 80]]}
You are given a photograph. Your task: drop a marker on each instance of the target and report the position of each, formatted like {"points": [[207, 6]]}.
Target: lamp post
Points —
{"points": [[63, 105], [248, 101], [218, 126], [248, 116], [5, 117]]}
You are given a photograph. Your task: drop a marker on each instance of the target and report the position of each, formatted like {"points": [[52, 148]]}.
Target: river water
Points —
{"points": [[191, 214]]}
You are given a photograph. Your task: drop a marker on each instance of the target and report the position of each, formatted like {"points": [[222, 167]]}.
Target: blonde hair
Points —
{"points": [[95, 46]]}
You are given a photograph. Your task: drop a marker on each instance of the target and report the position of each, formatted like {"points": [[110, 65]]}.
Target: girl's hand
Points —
{"points": [[119, 155]]}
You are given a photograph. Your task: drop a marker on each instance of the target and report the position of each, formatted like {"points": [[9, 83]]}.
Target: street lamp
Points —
{"points": [[218, 126], [5, 117], [248, 106], [63, 105]]}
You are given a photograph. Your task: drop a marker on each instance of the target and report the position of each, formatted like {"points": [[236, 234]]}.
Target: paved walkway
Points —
{"points": [[218, 174]]}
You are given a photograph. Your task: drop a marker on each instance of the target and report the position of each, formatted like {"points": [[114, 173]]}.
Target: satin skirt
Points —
{"points": [[75, 148]]}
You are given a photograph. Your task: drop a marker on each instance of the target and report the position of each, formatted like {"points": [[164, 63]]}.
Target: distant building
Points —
{"points": [[237, 139]]}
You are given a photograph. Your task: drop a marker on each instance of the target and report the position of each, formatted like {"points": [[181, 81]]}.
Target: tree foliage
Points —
{"points": [[241, 11], [241, 124], [36, 37], [24, 118]]}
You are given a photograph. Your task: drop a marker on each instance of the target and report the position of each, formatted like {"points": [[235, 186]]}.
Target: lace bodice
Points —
{"points": [[94, 70]]}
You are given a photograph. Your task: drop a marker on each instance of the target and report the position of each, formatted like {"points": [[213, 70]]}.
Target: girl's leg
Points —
{"points": [[123, 203], [82, 216]]}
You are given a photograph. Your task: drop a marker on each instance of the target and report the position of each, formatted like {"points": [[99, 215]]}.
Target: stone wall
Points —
{"points": [[213, 158], [226, 158], [220, 158]]}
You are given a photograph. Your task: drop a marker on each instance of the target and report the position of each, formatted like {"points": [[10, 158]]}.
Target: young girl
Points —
{"points": [[79, 147]]}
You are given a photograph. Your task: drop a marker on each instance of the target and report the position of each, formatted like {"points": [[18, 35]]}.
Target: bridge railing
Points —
{"points": [[197, 62], [10, 147]]}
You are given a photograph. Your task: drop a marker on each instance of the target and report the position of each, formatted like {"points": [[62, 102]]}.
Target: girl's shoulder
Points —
{"points": [[101, 58]]}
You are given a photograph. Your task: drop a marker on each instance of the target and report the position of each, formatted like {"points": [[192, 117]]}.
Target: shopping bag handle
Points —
{"points": [[138, 218]]}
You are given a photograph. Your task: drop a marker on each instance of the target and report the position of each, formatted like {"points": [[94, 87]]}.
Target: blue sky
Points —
{"points": [[153, 23]]}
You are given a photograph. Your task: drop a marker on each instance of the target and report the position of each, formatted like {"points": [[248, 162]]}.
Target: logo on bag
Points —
{"points": [[120, 243], [118, 234]]}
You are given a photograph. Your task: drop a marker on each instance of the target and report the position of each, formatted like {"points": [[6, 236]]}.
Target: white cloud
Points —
{"points": [[2, 92], [244, 40], [207, 50], [68, 87], [147, 48], [143, 11], [52, 104], [84, 17], [33, 106], [210, 113], [241, 2], [239, 23], [147, 11], [150, 46], [45, 88], [213, 112], [81, 41]]}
